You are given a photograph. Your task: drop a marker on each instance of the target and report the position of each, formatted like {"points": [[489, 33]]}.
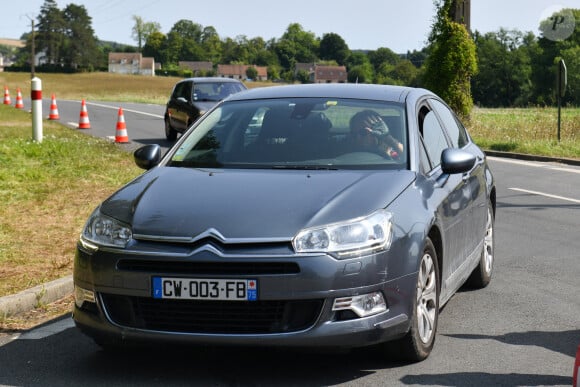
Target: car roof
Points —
{"points": [[210, 80], [333, 90]]}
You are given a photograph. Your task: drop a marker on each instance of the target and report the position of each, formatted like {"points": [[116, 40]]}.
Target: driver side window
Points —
{"points": [[182, 90], [433, 135]]}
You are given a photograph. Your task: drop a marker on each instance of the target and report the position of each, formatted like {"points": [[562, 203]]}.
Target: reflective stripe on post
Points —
{"points": [[36, 97]]}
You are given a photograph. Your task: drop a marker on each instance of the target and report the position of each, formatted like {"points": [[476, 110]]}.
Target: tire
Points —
{"points": [[170, 133], [481, 275], [417, 344]]}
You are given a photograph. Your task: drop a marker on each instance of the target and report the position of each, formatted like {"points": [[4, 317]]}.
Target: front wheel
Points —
{"points": [[417, 344]]}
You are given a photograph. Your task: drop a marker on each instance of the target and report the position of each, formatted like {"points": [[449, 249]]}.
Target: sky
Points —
{"points": [[401, 25]]}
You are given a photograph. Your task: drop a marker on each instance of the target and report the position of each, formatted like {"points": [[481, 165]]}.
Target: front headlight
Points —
{"points": [[106, 231], [347, 239]]}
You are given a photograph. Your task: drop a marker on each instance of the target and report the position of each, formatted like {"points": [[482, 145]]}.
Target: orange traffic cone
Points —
{"points": [[7, 100], [121, 136], [53, 109], [84, 117], [19, 103], [576, 379]]}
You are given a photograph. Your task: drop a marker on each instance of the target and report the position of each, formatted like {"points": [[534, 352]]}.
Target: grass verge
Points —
{"points": [[530, 131], [48, 191]]}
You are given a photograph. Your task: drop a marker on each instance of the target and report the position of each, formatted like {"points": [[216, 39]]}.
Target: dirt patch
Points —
{"points": [[28, 320]]}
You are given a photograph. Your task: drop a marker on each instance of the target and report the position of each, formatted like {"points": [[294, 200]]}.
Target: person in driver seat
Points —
{"points": [[371, 133]]}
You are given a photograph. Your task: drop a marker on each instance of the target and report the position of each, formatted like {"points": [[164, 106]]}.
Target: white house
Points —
{"points": [[131, 63]]}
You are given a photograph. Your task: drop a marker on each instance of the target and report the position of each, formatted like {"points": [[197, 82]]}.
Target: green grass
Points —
{"points": [[48, 189], [531, 131]]}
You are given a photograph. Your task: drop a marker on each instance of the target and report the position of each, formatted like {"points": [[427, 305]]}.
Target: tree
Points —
{"points": [[154, 46], [252, 73], [360, 69], [67, 38], [80, 48], [545, 59], [404, 73], [452, 61], [360, 74], [188, 30], [504, 69], [184, 42], [172, 48], [571, 57], [383, 74], [235, 50], [296, 46], [50, 29], [389, 69], [383, 55], [333, 47], [141, 30], [417, 57]]}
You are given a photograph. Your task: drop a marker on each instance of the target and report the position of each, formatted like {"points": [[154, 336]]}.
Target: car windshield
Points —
{"points": [[215, 91], [297, 133]]}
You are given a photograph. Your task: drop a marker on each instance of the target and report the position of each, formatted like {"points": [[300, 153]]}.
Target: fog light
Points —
{"points": [[363, 305], [83, 295]]}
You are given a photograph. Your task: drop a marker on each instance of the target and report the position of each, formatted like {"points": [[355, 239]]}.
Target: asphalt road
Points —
{"points": [[522, 330], [144, 121]]}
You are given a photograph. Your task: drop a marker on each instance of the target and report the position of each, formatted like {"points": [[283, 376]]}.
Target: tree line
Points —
{"points": [[506, 68]]}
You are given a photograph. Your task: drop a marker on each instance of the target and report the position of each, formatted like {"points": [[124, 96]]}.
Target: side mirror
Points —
{"points": [[147, 156], [456, 161]]}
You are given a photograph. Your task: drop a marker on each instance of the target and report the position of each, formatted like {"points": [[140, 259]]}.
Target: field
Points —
{"points": [[530, 131], [97, 86], [49, 189]]}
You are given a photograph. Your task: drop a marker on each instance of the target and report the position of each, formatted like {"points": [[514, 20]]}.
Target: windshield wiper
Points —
{"points": [[306, 167]]}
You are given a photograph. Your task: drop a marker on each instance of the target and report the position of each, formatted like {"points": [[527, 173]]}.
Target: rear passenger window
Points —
{"points": [[456, 131]]}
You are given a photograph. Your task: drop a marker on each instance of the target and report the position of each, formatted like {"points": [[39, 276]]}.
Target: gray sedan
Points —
{"points": [[314, 215]]}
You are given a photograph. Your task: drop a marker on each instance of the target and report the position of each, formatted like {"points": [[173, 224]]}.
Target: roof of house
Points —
{"points": [[196, 65], [118, 57], [331, 72], [308, 67], [239, 69]]}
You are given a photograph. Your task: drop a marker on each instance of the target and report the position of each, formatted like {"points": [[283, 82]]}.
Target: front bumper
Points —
{"points": [[293, 308]]}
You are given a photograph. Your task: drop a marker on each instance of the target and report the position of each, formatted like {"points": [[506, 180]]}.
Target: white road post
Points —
{"points": [[36, 97]]}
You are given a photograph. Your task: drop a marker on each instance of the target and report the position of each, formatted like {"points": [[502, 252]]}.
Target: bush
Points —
{"points": [[451, 63]]}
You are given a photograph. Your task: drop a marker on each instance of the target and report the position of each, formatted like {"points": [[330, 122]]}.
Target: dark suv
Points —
{"points": [[192, 97]]}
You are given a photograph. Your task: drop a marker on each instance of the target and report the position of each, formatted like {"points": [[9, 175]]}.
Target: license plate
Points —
{"points": [[205, 289]]}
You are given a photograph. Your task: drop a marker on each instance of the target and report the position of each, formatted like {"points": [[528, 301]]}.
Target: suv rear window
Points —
{"points": [[214, 91]]}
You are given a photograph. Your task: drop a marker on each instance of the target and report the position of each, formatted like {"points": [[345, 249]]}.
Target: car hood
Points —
{"points": [[249, 204]]}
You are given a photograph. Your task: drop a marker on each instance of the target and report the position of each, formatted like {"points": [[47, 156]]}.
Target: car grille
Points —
{"points": [[212, 317], [209, 268]]}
